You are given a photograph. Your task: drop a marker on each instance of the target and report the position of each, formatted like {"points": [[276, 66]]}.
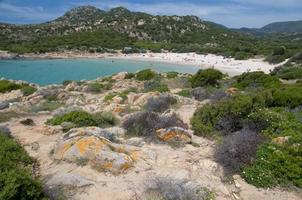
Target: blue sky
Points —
{"points": [[231, 13]]}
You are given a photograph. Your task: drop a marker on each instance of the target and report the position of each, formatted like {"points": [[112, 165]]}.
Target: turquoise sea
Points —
{"points": [[45, 72]]}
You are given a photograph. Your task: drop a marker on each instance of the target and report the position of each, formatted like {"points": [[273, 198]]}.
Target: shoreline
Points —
{"points": [[227, 65]]}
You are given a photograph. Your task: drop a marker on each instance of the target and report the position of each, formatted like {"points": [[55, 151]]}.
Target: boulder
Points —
{"points": [[4, 130], [281, 140], [68, 179], [62, 96], [93, 145], [4, 105], [71, 86], [51, 130], [119, 76], [11, 96], [117, 100], [174, 134]]}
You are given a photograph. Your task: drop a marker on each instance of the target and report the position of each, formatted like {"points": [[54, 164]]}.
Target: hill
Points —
{"points": [[277, 28], [89, 28]]}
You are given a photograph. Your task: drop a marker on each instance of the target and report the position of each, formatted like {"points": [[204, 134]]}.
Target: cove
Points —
{"points": [[54, 71]]}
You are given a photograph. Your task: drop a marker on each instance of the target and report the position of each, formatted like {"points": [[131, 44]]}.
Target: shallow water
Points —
{"points": [[45, 72]]}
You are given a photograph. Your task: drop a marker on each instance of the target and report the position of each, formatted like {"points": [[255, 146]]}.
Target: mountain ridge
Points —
{"points": [[275, 28]]}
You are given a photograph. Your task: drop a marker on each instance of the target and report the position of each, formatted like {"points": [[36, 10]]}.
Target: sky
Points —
{"points": [[231, 13]]}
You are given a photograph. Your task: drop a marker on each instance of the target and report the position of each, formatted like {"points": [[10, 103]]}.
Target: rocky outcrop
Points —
{"points": [[95, 146], [174, 134]]}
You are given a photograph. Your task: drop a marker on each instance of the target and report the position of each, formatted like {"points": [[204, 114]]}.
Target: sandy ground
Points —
{"points": [[227, 65]]}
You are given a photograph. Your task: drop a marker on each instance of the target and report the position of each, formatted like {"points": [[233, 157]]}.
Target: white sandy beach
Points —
{"points": [[227, 65]]}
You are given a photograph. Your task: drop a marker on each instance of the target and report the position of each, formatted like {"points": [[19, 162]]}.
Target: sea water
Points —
{"points": [[52, 71]]}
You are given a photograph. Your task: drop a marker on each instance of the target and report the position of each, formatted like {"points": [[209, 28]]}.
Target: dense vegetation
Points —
{"points": [[16, 179], [260, 127], [132, 32], [82, 118]]}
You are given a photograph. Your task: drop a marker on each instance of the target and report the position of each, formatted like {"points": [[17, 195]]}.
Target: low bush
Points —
{"points": [[95, 87], [289, 73], [275, 59], [207, 77], [218, 115], [161, 103], [238, 150], [144, 75], [278, 162], [257, 79], [263, 118], [165, 188], [145, 123], [7, 86], [243, 55], [155, 86], [82, 119], [28, 90], [109, 97], [172, 74], [287, 96], [185, 93], [16, 180], [129, 75], [123, 94]]}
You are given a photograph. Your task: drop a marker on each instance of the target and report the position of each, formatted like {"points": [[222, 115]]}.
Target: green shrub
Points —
{"points": [[16, 180], [109, 97], [287, 96], [129, 75], [275, 59], [263, 118], [185, 93], [28, 90], [95, 87], [243, 55], [278, 51], [289, 73], [206, 77], [275, 165], [155, 85], [256, 79], [144, 75], [210, 117], [83, 119], [7, 86], [172, 74]]}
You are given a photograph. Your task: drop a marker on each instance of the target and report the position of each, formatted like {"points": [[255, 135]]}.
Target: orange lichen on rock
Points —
{"points": [[167, 136], [90, 143]]}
